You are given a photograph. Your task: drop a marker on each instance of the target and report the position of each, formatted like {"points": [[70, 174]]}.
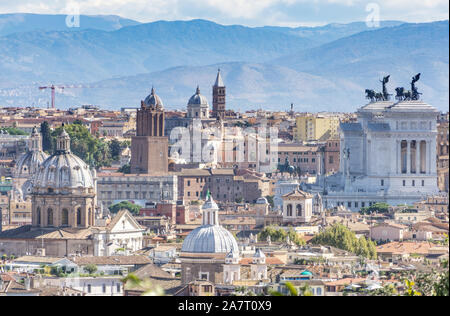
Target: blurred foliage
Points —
{"points": [[132, 282]]}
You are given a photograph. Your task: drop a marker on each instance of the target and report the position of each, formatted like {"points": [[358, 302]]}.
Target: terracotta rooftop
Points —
{"points": [[269, 261], [406, 248], [112, 260]]}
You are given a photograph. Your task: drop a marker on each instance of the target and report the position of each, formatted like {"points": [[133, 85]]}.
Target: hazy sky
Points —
{"points": [[246, 12]]}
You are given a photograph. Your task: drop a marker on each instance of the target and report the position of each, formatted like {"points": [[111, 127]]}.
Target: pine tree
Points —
{"points": [[46, 137]]}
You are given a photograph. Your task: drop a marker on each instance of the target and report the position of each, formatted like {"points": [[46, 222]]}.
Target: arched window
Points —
{"points": [[65, 217], [79, 216], [289, 210], [50, 217], [38, 215], [299, 210]]}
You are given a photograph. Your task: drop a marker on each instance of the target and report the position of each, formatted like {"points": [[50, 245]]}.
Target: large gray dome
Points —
{"points": [[28, 163], [153, 100], [210, 239], [198, 99], [63, 169]]}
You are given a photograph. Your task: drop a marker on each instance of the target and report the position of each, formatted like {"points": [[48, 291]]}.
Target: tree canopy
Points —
{"points": [[133, 208], [13, 131], [94, 151], [378, 208], [341, 237], [278, 234]]}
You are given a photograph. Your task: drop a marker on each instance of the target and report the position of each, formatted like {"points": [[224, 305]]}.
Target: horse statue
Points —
{"points": [[403, 95], [379, 96], [407, 95], [370, 94], [400, 93]]}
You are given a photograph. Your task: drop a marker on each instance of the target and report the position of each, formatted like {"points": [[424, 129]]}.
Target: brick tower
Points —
{"points": [[150, 147], [219, 95]]}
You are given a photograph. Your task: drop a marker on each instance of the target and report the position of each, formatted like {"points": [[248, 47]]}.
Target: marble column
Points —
{"points": [[417, 156], [428, 157], [408, 157]]}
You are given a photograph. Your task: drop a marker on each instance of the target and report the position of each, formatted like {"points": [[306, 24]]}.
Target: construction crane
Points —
{"points": [[53, 88]]}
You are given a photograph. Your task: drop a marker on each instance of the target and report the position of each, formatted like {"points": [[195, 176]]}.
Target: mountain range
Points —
{"points": [[323, 68]]}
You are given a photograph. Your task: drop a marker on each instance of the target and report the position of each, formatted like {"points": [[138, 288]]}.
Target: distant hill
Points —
{"points": [[93, 55], [27, 22], [401, 51], [263, 67], [330, 32], [249, 86]]}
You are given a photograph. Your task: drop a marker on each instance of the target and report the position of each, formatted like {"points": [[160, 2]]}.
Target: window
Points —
{"points": [[404, 183], [50, 217], [423, 183], [38, 215], [356, 204], [118, 287], [65, 217], [89, 288], [299, 210], [349, 204], [79, 216], [289, 210], [382, 183], [413, 183], [104, 288]]}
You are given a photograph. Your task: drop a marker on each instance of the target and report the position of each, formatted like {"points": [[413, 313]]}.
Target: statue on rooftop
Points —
{"points": [[386, 95], [370, 94], [415, 94]]}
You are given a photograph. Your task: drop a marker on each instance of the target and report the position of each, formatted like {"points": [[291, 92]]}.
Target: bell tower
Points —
{"points": [[219, 97], [150, 147]]}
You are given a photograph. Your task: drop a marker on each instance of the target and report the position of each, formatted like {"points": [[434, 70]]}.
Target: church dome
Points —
{"points": [[210, 238], [28, 163], [153, 100], [63, 169], [198, 99]]}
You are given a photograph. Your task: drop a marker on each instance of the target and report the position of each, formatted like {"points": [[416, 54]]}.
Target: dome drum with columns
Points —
{"points": [[210, 238], [205, 249], [63, 194], [198, 106], [28, 164]]}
